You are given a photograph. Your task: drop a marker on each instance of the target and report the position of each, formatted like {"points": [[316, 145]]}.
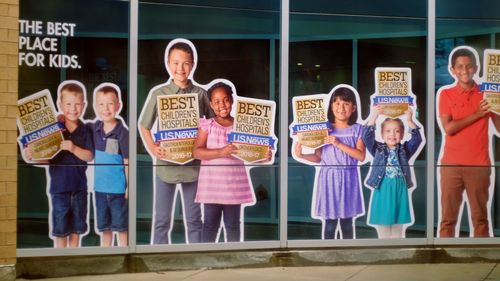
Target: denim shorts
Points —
{"points": [[111, 211], [69, 213]]}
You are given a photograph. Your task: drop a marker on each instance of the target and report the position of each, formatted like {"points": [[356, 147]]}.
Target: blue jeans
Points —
{"points": [[213, 214], [69, 213], [111, 211], [164, 207], [345, 228]]}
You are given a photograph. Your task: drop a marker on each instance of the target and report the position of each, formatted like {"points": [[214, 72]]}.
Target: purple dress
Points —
{"points": [[338, 187]]}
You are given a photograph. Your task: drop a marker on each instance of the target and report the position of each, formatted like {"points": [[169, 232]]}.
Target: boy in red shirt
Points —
{"points": [[465, 155]]}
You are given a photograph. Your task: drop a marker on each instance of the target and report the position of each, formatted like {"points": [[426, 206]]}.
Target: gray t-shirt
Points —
{"points": [[167, 171]]}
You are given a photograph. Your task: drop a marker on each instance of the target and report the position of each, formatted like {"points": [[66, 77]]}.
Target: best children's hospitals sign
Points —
{"points": [[310, 120], [38, 126], [253, 129], [491, 78], [178, 126], [393, 90]]}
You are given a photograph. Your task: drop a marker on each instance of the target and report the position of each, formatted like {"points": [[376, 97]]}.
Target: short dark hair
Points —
{"points": [[397, 120], [345, 94], [220, 85], [462, 52], [183, 47]]}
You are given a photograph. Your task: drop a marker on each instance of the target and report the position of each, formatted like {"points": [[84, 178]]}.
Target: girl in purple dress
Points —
{"points": [[337, 199]]}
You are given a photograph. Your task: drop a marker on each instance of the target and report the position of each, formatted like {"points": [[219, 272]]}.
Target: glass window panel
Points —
{"points": [[91, 50], [236, 41], [343, 43], [458, 24]]}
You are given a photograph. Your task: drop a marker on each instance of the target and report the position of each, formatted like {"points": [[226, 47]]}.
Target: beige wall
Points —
{"points": [[9, 33]]}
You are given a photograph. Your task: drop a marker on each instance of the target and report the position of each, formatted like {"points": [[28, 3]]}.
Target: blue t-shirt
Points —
{"points": [[66, 170], [110, 150]]}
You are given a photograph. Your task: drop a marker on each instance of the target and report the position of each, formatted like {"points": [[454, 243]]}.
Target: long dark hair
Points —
{"points": [[344, 94]]}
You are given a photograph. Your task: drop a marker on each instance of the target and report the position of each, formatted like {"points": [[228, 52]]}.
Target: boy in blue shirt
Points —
{"points": [[111, 160], [68, 182]]}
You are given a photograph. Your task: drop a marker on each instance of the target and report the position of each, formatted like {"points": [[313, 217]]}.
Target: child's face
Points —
{"points": [[342, 110], [180, 64], [72, 105], [221, 102], [464, 69], [392, 133], [107, 105]]}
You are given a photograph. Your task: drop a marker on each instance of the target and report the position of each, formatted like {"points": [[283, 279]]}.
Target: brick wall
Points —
{"points": [[9, 30]]}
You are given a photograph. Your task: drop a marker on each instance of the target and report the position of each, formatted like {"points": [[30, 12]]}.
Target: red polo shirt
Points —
{"points": [[469, 146]]}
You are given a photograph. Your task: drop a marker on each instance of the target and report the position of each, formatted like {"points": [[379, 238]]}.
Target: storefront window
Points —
{"points": [[337, 47], [471, 35], [233, 41], [60, 44]]}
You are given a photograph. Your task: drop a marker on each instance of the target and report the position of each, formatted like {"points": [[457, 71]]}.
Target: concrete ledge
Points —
{"points": [[8, 272], [45, 267], [50, 267]]}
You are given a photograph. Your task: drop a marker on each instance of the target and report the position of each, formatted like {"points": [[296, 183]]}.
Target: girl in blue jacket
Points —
{"points": [[390, 174]]}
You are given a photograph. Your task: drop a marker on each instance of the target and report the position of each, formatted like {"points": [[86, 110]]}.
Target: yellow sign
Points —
{"points": [[177, 126], [38, 126], [253, 129], [310, 120], [393, 90], [491, 79]]}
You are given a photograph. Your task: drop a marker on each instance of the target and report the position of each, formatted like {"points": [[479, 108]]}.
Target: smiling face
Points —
{"points": [[464, 70], [342, 110], [180, 64], [107, 105], [221, 102], [71, 104], [392, 133]]}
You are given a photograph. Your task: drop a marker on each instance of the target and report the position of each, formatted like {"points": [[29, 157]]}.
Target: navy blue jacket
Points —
{"points": [[380, 153]]}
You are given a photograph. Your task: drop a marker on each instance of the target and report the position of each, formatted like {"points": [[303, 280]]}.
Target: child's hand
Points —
{"points": [[483, 109], [126, 193], [61, 118], [228, 150], [409, 118], [159, 152], [332, 140], [28, 153], [298, 149], [376, 111], [67, 145], [409, 114]]}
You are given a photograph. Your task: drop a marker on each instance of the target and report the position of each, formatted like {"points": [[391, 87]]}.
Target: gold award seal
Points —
{"points": [[177, 126], [38, 126], [392, 90], [310, 121], [253, 132], [491, 79]]}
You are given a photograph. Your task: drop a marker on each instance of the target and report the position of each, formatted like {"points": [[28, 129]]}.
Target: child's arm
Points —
{"points": [[368, 133], [84, 154], [316, 157], [152, 147], [357, 152], [412, 145], [200, 150], [125, 163], [453, 126]]}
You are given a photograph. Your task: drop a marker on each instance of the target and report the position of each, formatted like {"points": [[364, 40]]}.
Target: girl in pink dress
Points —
{"points": [[223, 183]]}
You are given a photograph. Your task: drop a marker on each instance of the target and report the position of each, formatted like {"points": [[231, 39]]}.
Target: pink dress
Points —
{"points": [[222, 180]]}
